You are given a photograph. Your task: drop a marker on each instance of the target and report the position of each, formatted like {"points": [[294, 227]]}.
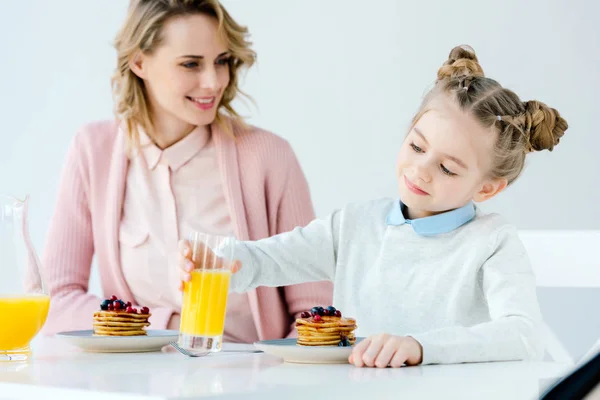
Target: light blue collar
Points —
{"points": [[434, 225]]}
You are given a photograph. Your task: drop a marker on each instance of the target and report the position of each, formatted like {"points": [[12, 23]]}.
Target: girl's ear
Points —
{"points": [[489, 189]]}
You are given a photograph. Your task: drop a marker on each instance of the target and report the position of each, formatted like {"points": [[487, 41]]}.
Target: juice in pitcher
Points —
{"points": [[21, 318], [24, 299]]}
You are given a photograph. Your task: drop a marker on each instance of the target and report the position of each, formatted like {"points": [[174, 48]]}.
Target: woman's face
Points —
{"points": [[186, 75]]}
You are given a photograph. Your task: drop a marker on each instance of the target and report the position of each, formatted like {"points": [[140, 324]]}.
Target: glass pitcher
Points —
{"points": [[24, 302]]}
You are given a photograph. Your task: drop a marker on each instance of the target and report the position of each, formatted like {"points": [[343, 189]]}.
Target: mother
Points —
{"points": [[177, 158]]}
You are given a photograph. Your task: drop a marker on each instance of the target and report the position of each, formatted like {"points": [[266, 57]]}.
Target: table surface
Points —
{"points": [[60, 370]]}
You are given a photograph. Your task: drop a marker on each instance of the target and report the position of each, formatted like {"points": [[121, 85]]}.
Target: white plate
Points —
{"points": [[292, 353], [153, 341]]}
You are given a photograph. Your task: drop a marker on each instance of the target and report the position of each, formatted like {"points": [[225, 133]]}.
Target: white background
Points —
{"points": [[339, 79]]}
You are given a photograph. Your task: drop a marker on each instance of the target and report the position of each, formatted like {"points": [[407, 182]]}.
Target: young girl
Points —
{"points": [[429, 278], [176, 158]]}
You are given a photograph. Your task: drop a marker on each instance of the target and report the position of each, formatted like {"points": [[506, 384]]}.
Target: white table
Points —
{"points": [[59, 370]]}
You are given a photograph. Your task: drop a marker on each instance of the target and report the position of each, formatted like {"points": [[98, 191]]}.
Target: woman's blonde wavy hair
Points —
{"points": [[142, 31], [521, 127]]}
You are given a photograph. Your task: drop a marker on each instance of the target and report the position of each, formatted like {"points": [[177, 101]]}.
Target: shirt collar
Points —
{"points": [[176, 155], [434, 225]]}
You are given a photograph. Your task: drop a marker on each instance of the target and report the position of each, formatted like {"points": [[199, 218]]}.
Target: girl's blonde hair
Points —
{"points": [[142, 31], [521, 127]]}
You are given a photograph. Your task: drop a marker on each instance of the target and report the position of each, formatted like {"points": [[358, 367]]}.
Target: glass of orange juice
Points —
{"points": [[24, 303], [205, 295]]}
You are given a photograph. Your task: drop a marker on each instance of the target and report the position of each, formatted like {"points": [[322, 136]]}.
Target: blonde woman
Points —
{"points": [[177, 158]]}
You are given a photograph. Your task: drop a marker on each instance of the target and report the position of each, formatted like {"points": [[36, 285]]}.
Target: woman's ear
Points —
{"points": [[137, 64]]}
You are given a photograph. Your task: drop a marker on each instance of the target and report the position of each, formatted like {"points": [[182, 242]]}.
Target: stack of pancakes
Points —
{"points": [[329, 331], [120, 323]]}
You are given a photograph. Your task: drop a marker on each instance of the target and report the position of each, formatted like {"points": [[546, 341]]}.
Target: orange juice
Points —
{"points": [[205, 302], [21, 318]]}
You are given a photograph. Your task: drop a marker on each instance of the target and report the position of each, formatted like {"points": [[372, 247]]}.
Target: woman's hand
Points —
{"points": [[207, 259], [386, 350], [174, 322]]}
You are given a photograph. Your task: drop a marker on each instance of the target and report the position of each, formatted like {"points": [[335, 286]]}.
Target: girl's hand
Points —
{"points": [[387, 350], [207, 260]]}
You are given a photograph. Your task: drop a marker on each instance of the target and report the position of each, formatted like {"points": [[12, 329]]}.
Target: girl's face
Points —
{"points": [[185, 77], [444, 162]]}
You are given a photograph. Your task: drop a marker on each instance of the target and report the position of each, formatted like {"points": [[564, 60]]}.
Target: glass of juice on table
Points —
{"points": [[205, 295], [24, 303]]}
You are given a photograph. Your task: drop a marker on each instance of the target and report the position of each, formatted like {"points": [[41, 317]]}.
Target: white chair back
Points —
{"points": [[564, 258]]}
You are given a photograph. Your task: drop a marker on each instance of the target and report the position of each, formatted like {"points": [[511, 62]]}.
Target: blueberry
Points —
{"points": [[103, 307], [123, 304], [331, 310], [315, 310], [344, 342], [104, 304]]}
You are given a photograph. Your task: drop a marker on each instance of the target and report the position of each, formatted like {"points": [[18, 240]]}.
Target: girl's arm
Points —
{"points": [[305, 254]]}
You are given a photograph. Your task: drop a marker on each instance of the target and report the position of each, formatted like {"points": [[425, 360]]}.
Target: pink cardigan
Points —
{"points": [[266, 193]]}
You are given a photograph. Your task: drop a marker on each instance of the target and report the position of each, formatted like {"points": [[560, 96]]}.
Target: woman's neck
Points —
{"points": [[167, 134]]}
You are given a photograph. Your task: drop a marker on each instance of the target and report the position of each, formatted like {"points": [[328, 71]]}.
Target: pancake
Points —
{"points": [[315, 328], [120, 315], [100, 332], [121, 324], [117, 318]]}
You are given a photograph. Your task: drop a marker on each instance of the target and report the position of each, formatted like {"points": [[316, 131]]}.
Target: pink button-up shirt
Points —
{"points": [[170, 193], [266, 193]]}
